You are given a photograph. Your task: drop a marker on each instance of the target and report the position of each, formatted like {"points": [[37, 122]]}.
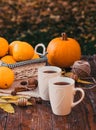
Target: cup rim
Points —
{"points": [[41, 69], [61, 79]]}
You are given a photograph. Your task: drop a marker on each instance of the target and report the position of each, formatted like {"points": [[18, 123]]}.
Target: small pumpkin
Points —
{"points": [[35, 56], [63, 51], [6, 77], [3, 46], [21, 50], [11, 46], [8, 59]]}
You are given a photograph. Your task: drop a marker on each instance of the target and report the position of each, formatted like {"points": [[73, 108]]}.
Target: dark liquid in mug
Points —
{"points": [[61, 83], [49, 71]]}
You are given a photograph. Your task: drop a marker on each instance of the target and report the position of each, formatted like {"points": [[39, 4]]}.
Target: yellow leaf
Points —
{"points": [[84, 82], [13, 97], [7, 107], [14, 101], [68, 74], [10, 97], [29, 103], [2, 101]]}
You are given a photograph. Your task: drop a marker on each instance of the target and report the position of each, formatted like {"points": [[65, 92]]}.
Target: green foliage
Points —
{"points": [[39, 21]]}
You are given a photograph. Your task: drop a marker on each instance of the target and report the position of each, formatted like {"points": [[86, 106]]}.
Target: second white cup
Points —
{"points": [[44, 74]]}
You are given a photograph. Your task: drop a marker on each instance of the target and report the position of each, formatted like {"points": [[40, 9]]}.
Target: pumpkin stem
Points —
{"points": [[64, 36]]}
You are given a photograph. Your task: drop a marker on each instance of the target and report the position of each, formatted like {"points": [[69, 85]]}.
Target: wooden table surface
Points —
{"points": [[40, 116]]}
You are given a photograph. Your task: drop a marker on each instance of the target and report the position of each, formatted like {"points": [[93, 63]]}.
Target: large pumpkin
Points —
{"points": [[63, 51]]}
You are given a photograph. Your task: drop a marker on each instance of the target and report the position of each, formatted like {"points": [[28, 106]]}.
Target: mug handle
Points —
{"points": [[43, 47], [82, 96]]}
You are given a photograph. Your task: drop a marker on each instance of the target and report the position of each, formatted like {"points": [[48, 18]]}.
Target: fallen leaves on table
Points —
{"points": [[6, 101], [10, 97], [84, 82], [67, 74], [6, 106]]}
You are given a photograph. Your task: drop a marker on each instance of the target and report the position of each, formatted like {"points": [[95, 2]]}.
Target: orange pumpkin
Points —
{"points": [[63, 51], [3, 46], [8, 59], [6, 77], [21, 50], [35, 56]]}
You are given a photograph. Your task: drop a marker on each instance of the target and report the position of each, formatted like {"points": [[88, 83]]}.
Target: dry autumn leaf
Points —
{"points": [[6, 106], [17, 100], [9, 97], [13, 97], [79, 80]]}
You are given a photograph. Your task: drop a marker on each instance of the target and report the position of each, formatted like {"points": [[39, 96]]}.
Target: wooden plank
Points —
{"points": [[29, 118], [45, 116], [3, 118], [13, 120], [36, 117], [40, 117]]}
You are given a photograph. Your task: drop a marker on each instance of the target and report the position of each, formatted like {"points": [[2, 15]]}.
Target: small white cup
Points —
{"points": [[61, 92], [44, 74]]}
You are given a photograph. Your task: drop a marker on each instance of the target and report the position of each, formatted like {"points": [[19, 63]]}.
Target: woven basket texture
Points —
{"points": [[26, 69]]}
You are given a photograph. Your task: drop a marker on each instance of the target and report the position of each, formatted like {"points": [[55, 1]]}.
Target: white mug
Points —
{"points": [[61, 93], [44, 74]]}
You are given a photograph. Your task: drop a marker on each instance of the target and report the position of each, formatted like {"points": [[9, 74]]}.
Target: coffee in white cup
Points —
{"points": [[44, 74], [61, 93]]}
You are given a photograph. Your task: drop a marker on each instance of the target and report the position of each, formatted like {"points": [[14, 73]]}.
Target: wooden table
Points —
{"points": [[40, 116]]}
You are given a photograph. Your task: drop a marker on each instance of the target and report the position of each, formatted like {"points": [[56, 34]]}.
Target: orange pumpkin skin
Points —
{"points": [[63, 53], [35, 56], [22, 51], [6, 77], [3, 47]]}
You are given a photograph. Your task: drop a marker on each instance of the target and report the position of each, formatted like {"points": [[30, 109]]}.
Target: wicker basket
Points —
{"points": [[26, 69]]}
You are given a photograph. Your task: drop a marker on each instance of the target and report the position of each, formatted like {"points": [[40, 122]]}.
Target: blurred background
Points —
{"points": [[39, 21]]}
